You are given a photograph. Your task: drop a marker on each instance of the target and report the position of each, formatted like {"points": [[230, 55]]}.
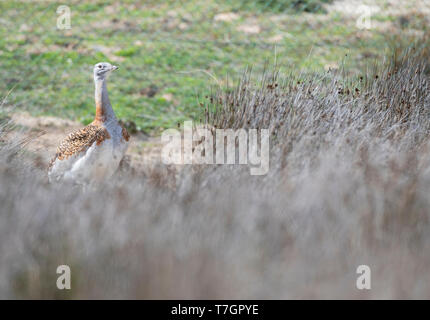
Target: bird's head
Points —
{"points": [[102, 70]]}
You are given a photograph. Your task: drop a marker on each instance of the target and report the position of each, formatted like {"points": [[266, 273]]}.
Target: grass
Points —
{"points": [[286, 5], [348, 185], [173, 50], [350, 155]]}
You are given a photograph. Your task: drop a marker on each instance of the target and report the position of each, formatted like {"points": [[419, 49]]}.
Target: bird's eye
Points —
{"points": [[100, 66]]}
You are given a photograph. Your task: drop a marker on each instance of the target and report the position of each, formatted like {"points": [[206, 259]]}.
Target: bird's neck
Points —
{"points": [[104, 111]]}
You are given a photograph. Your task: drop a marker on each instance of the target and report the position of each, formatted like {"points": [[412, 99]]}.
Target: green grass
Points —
{"points": [[286, 5], [176, 49]]}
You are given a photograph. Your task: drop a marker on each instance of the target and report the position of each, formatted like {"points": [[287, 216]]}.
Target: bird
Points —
{"points": [[94, 152]]}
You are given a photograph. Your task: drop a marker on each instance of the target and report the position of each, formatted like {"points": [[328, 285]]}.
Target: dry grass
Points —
{"points": [[348, 185]]}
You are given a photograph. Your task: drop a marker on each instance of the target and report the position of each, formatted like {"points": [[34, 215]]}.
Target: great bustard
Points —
{"points": [[93, 152]]}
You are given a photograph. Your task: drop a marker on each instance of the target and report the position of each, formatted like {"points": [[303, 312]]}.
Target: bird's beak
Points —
{"points": [[114, 68]]}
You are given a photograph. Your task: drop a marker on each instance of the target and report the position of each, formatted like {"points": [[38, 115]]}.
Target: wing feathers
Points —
{"points": [[125, 134], [79, 141]]}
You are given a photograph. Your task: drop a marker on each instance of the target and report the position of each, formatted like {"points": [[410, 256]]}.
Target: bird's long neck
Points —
{"points": [[104, 111]]}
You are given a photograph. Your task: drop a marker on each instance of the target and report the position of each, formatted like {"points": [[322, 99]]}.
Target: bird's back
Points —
{"points": [[91, 152]]}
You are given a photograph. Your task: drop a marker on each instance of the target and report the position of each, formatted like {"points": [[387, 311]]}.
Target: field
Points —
{"points": [[348, 112], [172, 53]]}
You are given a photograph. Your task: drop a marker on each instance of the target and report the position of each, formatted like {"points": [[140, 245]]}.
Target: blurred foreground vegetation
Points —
{"points": [[348, 185]]}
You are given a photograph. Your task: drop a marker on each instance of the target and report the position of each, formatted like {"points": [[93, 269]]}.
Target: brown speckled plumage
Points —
{"points": [[125, 134], [80, 140]]}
